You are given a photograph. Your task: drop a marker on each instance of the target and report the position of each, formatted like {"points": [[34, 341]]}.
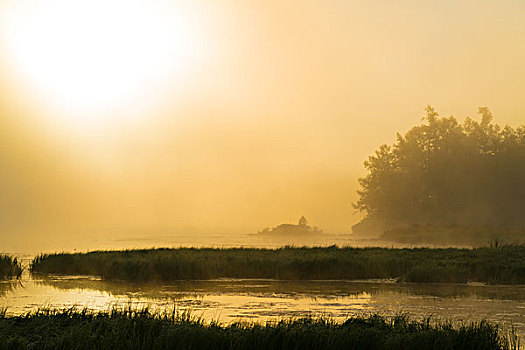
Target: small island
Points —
{"points": [[301, 228]]}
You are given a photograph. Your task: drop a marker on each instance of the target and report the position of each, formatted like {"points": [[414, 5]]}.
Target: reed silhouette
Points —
{"points": [[504, 264], [142, 329], [9, 267]]}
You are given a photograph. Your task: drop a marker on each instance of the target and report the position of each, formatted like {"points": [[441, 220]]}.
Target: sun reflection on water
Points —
{"points": [[228, 300]]}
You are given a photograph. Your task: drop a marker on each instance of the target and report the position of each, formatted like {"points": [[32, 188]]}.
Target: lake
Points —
{"points": [[230, 300]]}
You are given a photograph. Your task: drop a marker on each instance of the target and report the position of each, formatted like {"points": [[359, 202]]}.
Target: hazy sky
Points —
{"points": [[212, 116]]}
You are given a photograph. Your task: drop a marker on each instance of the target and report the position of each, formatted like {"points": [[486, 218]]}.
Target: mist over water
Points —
{"points": [[257, 128], [264, 124]]}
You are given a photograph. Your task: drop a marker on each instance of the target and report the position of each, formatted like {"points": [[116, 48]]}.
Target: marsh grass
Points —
{"points": [[142, 329], [504, 264], [9, 267], [453, 234]]}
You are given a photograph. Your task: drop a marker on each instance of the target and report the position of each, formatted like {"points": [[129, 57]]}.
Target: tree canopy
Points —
{"points": [[446, 173]]}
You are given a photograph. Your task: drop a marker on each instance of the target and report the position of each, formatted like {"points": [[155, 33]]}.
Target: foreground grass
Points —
{"points": [[497, 265], [129, 329], [9, 267]]}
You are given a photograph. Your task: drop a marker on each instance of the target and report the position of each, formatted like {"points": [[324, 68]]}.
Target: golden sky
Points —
{"points": [[229, 115]]}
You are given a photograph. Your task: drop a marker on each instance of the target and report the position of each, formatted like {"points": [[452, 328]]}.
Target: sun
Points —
{"points": [[94, 58]]}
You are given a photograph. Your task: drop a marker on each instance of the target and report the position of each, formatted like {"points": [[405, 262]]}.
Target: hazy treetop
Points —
{"points": [[444, 172]]}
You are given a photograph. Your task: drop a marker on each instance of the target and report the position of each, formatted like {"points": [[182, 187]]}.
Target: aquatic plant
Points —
{"points": [[497, 265], [9, 267], [142, 329]]}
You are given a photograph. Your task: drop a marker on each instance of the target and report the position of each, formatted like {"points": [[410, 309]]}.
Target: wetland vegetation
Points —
{"points": [[9, 267], [142, 329], [502, 264], [460, 235]]}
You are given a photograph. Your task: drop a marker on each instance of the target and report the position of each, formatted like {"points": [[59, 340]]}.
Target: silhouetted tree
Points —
{"points": [[303, 221], [443, 172]]}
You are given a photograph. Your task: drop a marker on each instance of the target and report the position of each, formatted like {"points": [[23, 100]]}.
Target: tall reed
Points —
{"points": [[141, 329], [503, 264], [9, 267]]}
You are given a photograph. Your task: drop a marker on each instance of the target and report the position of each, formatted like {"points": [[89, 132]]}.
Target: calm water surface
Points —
{"points": [[261, 300]]}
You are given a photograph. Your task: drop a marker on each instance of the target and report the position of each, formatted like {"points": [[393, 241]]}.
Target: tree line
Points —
{"points": [[446, 173]]}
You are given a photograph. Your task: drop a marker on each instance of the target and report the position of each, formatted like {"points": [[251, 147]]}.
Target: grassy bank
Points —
{"points": [[453, 234], [128, 329], [497, 265], [9, 267]]}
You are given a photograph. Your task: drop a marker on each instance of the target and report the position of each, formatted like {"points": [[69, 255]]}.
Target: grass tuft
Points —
{"points": [[502, 264], [142, 329], [9, 267]]}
